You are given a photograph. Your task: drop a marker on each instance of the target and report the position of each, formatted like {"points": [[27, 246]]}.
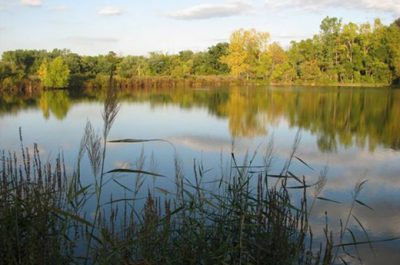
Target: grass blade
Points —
{"points": [[122, 185], [135, 171], [329, 200], [132, 141], [294, 176], [304, 163], [72, 216], [367, 242], [364, 204], [364, 230]]}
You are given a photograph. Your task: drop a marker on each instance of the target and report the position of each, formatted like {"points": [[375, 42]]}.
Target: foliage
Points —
{"points": [[245, 51], [133, 66], [54, 74], [348, 53]]}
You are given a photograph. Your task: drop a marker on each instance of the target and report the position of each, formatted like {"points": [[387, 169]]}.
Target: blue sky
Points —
{"points": [[138, 27]]}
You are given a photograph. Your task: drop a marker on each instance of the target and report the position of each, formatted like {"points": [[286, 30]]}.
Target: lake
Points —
{"points": [[353, 132]]}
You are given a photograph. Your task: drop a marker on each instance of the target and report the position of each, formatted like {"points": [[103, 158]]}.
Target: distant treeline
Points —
{"points": [[341, 54]]}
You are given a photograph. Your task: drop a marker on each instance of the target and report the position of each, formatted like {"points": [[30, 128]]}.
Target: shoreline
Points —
{"points": [[349, 85], [166, 82], [217, 81]]}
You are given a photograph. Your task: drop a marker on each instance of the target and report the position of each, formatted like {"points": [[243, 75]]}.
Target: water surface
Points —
{"points": [[354, 132]]}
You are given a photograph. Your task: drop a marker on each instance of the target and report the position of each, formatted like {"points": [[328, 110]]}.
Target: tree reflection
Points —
{"points": [[243, 114], [54, 102], [337, 117]]}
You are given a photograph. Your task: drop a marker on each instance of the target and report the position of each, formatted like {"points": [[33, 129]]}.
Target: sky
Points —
{"points": [[137, 27]]}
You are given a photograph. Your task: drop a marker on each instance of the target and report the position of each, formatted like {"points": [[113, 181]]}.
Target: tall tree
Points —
{"points": [[245, 51], [54, 74], [330, 30], [393, 40]]}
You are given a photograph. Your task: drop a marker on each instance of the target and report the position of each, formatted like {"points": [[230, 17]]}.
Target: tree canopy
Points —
{"points": [[54, 74]]}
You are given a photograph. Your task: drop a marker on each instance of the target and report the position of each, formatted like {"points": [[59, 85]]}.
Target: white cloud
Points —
{"points": [[110, 11], [31, 2], [390, 6], [229, 8]]}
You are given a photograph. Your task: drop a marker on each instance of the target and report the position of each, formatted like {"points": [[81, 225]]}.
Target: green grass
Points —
{"points": [[31, 200]]}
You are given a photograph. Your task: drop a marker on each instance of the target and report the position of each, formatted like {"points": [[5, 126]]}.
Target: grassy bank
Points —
{"points": [[34, 86], [166, 82], [350, 85]]}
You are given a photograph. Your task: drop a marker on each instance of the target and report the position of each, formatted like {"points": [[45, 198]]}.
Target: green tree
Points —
{"points": [[74, 63], [283, 73], [159, 63], [330, 38], [181, 65], [5, 70], [201, 64], [20, 61], [209, 63], [310, 71], [215, 53], [272, 59], [54, 74], [348, 49], [131, 66], [393, 40]]}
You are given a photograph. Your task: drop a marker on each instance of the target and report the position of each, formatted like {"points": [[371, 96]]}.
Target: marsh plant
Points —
{"points": [[34, 218], [248, 215]]}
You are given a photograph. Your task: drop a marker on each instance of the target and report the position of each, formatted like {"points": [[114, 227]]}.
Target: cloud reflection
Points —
{"points": [[210, 143]]}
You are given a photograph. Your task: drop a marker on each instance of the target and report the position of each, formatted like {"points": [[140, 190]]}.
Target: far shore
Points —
{"points": [[165, 82]]}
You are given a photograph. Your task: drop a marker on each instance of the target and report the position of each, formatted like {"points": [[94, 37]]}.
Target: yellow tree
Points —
{"points": [[275, 56], [55, 74], [245, 51]]}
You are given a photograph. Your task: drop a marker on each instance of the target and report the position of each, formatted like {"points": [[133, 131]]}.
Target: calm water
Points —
{"points": [[354, 132]]}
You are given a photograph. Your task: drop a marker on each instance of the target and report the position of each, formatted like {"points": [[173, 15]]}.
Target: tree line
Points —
{"points": [[339, 54]]}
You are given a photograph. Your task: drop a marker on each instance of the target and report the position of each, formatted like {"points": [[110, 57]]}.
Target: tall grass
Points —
{"points": [[236, 224], [165, 82], [32, 204]]}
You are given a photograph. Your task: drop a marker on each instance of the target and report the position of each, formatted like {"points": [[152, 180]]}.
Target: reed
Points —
{"points": [[32, 204], [165, 82], [248, 216]]}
